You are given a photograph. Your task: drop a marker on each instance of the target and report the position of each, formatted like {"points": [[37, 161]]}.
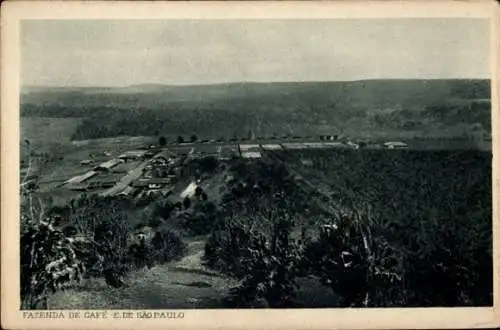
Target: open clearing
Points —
{"points": [[43, 130]]}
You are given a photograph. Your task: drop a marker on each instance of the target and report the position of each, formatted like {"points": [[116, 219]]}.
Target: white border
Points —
{"points": [[13, 12]]}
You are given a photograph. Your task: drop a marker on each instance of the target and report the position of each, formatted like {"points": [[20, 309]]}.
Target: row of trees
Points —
{"points": [[162, 140]]}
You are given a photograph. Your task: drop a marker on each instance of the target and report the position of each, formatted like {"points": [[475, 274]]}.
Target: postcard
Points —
{"points": [[250, 165]]}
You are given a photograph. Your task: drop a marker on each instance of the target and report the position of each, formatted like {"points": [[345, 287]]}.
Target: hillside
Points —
{"points": [[390, 107], [375, 93]]}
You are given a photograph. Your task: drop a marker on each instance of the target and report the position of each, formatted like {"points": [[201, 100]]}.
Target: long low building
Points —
{"points": [[396, 145], [251, 154], [249, 147], [294, 145], [133, 154], [315, 145], [108, 165], [271, 147], [129, 191], [81, 178]]}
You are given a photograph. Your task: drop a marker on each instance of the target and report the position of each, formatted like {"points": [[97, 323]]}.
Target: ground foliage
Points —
{"points": [[414, 229], [91, 237], [410, 229]]}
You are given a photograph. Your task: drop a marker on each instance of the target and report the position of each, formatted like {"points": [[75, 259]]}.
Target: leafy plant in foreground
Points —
{"points": [[49, 261]]}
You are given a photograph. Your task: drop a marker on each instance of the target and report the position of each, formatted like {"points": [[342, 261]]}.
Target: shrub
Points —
{"points": [[225, 247], [270, 270], [186, 202], [167, 245], [362, 269], [49, 261]]}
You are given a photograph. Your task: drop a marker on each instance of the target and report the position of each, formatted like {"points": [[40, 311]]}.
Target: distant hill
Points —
{"points": [[375, 106], [356, 93]]}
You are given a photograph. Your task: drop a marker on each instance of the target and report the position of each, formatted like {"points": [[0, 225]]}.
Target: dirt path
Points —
{"points": [[181, 284]]}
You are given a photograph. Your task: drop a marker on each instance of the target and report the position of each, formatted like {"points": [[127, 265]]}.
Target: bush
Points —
{"points": [[225, 247], [49, 261], [270, 271], [360, 268], [167, 245], [186, 202]]}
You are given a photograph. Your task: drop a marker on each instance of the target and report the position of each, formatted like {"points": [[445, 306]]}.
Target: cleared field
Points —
{"points": [[41, 130], [117, 143]]}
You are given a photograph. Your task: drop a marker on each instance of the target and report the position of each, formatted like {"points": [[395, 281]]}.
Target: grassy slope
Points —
{"points": [[43, 131]]}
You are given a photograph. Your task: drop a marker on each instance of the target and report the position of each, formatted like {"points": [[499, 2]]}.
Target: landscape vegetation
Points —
{"points": [[307, 227]]}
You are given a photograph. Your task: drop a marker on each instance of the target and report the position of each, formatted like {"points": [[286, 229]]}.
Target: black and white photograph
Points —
{"points": [[178, 164]]}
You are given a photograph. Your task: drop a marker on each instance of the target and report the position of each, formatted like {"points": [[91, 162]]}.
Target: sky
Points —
{"points": [[193, 52]]}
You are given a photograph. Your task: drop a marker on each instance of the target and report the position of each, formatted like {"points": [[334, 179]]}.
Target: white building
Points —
{"points": [[395, 145]]}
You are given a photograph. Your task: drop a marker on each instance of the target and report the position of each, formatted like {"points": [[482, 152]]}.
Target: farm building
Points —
{"points": [[251, 154], [336, 145], [164, 154], [294, 146], [249, 147], [395, 145], [86, 162], [189, 191], [106, 166], [81, 178], [133, 154], [129, 191], [314, 145], [271, 147]]}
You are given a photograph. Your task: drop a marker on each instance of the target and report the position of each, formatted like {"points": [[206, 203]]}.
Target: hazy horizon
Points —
{"points": [[243, 82], [124, 53]]}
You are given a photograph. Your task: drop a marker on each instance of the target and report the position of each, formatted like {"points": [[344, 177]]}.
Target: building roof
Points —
{"points": [[294, 145], [81, 177], [110, 163], [271, 147], [315, 144], [248, 146], [165, 154], [396, 144], [156, 181], [251, 154], [133, 153], [127, 191]]}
